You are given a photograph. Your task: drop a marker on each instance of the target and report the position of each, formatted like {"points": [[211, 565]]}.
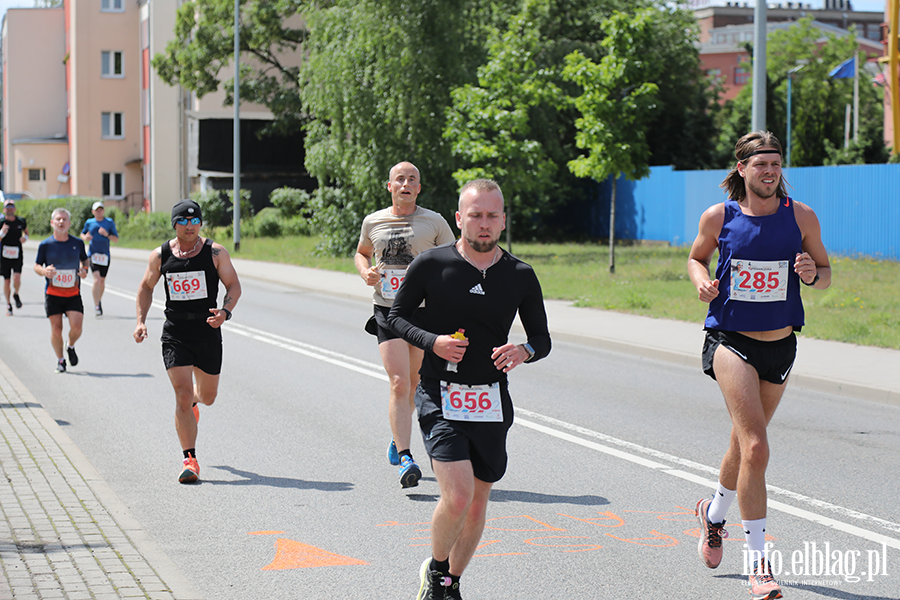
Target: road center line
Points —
{"points": [[631, 452]]}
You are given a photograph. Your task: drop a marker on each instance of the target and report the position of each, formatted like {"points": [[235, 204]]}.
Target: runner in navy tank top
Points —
{"points": [[769, 244]]}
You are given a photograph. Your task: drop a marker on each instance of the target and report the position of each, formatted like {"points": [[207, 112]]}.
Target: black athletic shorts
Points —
{"points": [[57, 305], [102, 269], [772, 360], [377, 324], [8, 266], [192, 344], [484, 444]]}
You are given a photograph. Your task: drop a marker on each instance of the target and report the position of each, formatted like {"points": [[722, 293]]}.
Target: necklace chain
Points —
{"points": [[180, 254], [484, 270]]}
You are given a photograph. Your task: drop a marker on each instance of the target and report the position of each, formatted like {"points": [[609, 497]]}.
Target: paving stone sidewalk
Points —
{"points": [[63, 533]]}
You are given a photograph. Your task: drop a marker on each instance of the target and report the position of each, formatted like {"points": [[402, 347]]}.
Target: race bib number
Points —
{"points": [[65, 278], [478, 403], [100, 259], [187, 286], [759, 280], [11, 252], [390, 282]]}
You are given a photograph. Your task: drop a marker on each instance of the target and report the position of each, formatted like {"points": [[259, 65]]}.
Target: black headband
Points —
{"points": [[760, 151]]}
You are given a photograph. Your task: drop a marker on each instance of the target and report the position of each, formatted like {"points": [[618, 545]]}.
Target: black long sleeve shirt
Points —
{"points": [[458, 296]]}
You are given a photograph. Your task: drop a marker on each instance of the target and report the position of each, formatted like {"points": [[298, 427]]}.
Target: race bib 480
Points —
{"points": [[461, 402], [759, 280], [186, 286]]}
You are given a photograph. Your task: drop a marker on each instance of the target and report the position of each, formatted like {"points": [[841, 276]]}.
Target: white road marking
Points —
{"points": [[630, 451]]}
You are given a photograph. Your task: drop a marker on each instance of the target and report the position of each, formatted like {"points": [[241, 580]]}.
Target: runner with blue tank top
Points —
{"points": [[99, 232], [192, 339], [769, 244]]}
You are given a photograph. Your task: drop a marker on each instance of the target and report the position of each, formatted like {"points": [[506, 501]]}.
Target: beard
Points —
{"points": [[480, 246], [762, 191]]}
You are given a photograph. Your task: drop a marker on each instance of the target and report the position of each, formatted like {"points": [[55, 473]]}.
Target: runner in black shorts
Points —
{"points": [[61, 259], [13, 233], [191, 338], [389, 240], [770, 247], [472, 291]]}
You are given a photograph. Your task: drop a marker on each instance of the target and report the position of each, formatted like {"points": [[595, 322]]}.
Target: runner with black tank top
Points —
{"points": [[13, 233], [191, 339]]}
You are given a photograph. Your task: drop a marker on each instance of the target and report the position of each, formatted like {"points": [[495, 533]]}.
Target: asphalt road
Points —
{"points": [[609, 454]]}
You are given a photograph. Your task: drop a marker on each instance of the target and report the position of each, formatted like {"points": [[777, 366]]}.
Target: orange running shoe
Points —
{"points": [[762, 584], [191, 471]]}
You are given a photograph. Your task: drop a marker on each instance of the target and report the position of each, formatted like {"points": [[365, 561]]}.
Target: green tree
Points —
{"points": [[615, 106], [204, 44], [818, 101], [490, 124], [376, 87]]}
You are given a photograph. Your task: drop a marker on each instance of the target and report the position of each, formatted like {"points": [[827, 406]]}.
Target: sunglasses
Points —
{"points": [[192, 221]]}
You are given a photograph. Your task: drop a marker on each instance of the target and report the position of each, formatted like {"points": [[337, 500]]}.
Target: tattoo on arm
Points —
{"points": [[226, 301], [215, 251]]}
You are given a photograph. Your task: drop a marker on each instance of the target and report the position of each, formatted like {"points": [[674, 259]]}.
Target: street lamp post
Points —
{"points": [[791, 73]]}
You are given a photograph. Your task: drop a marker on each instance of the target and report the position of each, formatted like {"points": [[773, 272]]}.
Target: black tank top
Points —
{"points": [[192, 284]]}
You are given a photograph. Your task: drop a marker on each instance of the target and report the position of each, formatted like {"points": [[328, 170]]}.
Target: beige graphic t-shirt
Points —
{"points": [[397, 241]]}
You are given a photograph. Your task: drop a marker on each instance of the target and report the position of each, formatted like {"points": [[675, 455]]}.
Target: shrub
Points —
{"points": [[291, 201], [38, 213], [214, 207], [268, 223], [147, 226]]}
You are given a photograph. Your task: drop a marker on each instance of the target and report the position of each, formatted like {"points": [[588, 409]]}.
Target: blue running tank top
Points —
{"points": [[758, 288]]}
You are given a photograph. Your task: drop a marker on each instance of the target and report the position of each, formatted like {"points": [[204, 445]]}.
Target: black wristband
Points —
{"points": [[811, 283], [227, 314]]}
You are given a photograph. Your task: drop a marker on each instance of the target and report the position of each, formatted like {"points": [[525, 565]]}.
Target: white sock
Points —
{"points": [[720, 504], [755, 534]]}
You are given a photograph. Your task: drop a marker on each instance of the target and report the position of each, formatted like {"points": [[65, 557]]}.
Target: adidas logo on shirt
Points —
{"points": [[477, 290]]}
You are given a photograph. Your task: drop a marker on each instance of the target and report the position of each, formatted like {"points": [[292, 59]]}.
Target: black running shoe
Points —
{"points": [[433, 584], [61, 366], [18, 302], [73, 358]]}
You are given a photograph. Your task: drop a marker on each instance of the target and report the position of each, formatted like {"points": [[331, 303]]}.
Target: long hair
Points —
{"points": [[733, 184]]}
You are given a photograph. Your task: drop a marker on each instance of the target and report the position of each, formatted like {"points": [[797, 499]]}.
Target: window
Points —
{"points": [[113, 185], [741, 76], [112, 6], [37, 174], [111, 124], [111, 64]]}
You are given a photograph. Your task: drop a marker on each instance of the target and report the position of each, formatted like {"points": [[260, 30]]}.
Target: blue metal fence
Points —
{"points": [[858, 206]]}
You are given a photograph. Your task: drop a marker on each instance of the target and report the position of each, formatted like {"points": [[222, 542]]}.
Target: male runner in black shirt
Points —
{"points": [[474, 288]]}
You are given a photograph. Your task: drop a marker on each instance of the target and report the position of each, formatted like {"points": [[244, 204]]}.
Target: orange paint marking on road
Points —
{"points": [[264, 532], [581, 547], [664, 516], [670, 541], [488, 543], [294, 555], [399, 524], [546, 527], [617, 521]]}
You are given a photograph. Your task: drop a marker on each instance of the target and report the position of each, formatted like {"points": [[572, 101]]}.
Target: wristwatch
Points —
{"points": [[811, 283], [529, 350], [227, 314]]}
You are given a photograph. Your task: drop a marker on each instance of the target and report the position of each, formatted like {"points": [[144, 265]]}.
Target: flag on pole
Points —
{"points": [[845, 70]]}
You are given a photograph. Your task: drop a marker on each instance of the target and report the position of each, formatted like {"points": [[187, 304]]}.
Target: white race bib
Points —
{"points": [[11, 252], [100, 259], [481, 403], [65, 278], [390, 282], [187, 286], [759, 280]]}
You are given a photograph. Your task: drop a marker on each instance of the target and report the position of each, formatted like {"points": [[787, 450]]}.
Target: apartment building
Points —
{"points": [[84, 112]]}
